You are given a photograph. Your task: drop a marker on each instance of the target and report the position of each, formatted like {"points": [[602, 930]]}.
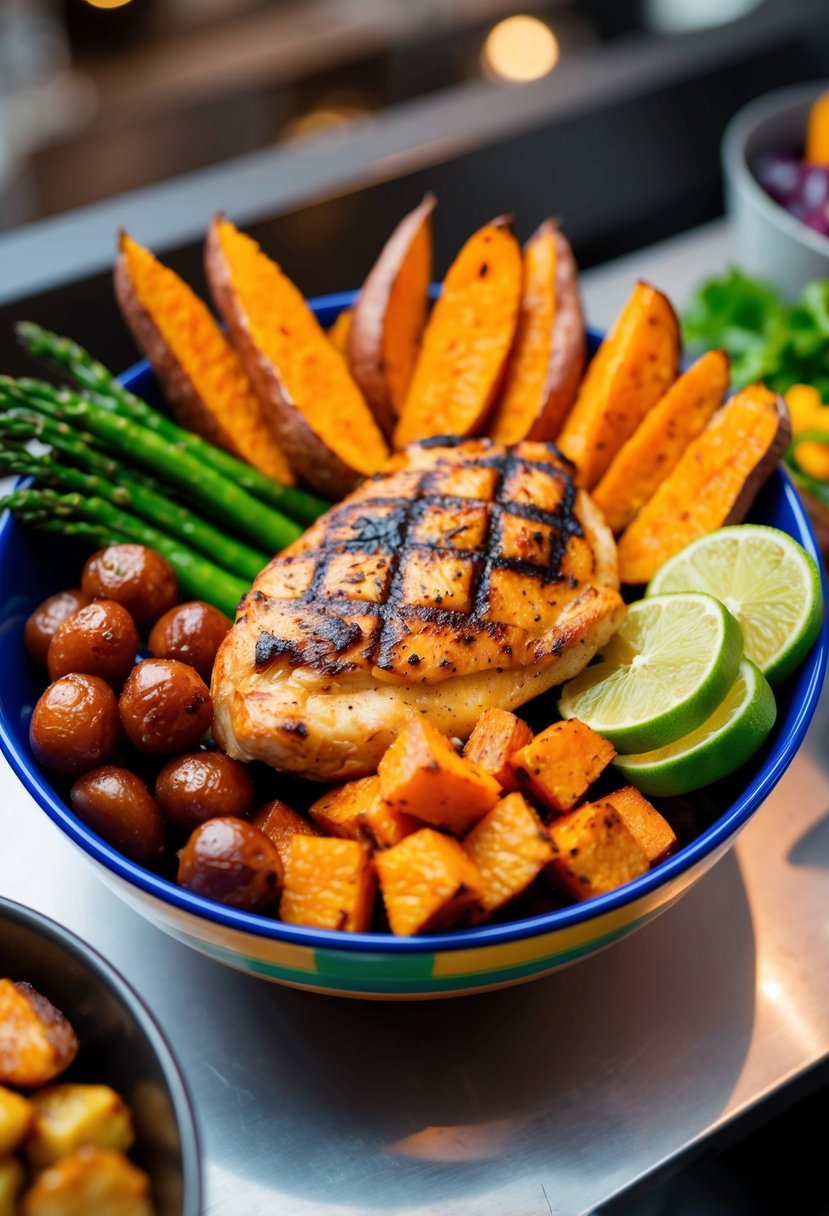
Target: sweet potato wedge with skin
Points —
{"points": [[656, 446], [329, 884], [428, 882], [561, 764], [630, 372], [594, 852], [467, 339], [550, 348], [36, 1041], [281, 823], [714, 483], [338, 333], [496, 736], [313, 406], [421, 774], [650, 830], [510, 846], [198, 370], [388, 318], [339, 811]]}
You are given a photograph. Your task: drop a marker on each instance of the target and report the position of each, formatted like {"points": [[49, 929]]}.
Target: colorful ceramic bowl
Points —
{"points": [[372, 964]]}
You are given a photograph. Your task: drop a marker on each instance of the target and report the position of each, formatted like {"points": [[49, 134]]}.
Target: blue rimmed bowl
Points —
{"points": [[372, 964]]}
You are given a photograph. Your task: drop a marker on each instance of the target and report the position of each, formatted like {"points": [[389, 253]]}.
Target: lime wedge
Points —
{"points": [[733, 733], [666, 670], [766, 580]]}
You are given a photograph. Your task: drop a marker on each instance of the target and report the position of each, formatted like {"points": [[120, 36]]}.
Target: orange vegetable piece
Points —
{"points": [[428, 882], [381, 824], [467, 339], [650, 830], [714, 483], [594, 852], [339, 811], [329, 884], [281, 823], [421, 774], [36, 1041], [200, 373], [550, 348], [630, 372], [339, 331], [561, 764], [656, 446], [510, 846], [496, 736], [817, 132]]}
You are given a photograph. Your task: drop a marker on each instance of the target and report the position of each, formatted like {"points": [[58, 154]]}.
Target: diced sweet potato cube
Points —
{"points": [[561, 764], [91, 1181], [593, 851], [329, 884], [497, 734], [15, 1118], [422, 775], [651, 830], [338, 812], [428, 882], [36, 1041], [281, 823], [382, 825], [510, 846], [67, 1116], [12, 1177]]}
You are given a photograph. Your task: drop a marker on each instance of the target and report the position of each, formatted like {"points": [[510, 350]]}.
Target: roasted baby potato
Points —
{"points": [[498, 734], [428, 883], [550, 349], [36, 1041], [15, 1119], [90, 1182], [387, 321], [510, 846], [561, 763], [650, 830], [594, 852], [329, 884], [67, 1116]]}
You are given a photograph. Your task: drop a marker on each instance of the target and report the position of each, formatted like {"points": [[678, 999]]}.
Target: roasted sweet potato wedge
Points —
{"points": [[467, 339], [428, 882], [594, 852], [656, 446], [550, 348], [338, 333], [496, 736], [630, 372], [510, 846], [36, 1041], [340, 810], [388, 318], [329, 884], [560, 765], [714, 483], [281, 823], [312, 404], [198, 370], [650, 830]]}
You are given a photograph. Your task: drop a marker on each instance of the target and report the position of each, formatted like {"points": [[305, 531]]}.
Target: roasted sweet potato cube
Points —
{"points": [[36, 1041], [91, 1181], [593, 851], [281, 823], [15, 1120], [12, 1177], [339, 811], [497, 735], [649, 829], [423, 775], [67, 1116], [510, 846], [382, 825], [561, 764], [428, 882], [329, 884]]}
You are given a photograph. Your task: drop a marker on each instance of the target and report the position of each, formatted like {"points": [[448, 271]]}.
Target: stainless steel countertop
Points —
{"points": [[546, 1098]]}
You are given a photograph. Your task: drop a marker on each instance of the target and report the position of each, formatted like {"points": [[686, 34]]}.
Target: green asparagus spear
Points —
{"points": [[234, 556], [110, 394], [220, 497], [198, 577]]}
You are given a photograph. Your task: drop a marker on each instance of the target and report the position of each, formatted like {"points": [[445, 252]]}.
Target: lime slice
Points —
{"points": [[733, 733], [766, 580], [666, 670]]}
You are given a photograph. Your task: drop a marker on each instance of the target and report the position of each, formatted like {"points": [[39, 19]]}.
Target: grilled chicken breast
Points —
{"points": [[464, 576]]}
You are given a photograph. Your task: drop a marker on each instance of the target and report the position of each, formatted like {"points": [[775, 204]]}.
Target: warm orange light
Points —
{"points": [[107, 3], [520, 48]]}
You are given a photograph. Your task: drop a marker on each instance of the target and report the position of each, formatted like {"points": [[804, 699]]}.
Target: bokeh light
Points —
{"points": [[520, 49]]}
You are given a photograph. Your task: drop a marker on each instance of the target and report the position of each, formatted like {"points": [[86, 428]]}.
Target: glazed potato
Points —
{"points": [[12, 1177], [90, 1182], [561, 763], [67, 1116], [15, 1119], [36, 1041]]}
